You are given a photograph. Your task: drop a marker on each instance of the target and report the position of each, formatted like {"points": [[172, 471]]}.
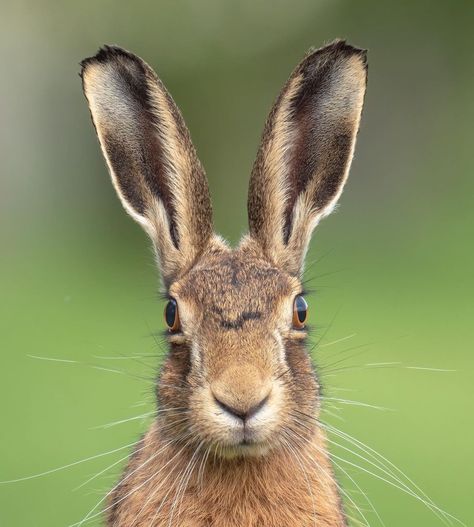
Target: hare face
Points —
{"points": [[237, 376], [236, 326]]}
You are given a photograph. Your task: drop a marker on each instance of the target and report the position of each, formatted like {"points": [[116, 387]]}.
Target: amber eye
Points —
{"points": [[172, 315], [300, 312]]}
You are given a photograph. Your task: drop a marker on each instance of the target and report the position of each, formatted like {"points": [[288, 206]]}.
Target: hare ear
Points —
{"points": [[306, 151], [151, 158]]}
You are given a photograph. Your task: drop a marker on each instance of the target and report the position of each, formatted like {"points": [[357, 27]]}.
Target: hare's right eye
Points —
{"points": [[172, 315], [300, 312]]}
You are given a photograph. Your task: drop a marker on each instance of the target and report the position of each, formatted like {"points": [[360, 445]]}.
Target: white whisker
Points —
{"points": [[89, 516], [337, 341], [104, 470], [386, 464], [121, 421], [52, 359], [52, 471], [357, 403], [183, 484], [163, 481], [341, 490], [371, 505], [291, 451]]}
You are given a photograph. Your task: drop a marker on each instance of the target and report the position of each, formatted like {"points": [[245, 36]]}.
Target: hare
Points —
{"points": [[236, 441]]}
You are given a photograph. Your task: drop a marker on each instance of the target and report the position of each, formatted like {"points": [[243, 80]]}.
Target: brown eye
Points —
{"points": [[172, 315], [300, 312]]}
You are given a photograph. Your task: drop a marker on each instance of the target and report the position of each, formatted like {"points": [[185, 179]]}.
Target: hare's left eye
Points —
{"points": [[300, 312], [172, 315]]}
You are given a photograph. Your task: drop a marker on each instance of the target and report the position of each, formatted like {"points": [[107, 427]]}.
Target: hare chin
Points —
{"points": [[243, 450]]}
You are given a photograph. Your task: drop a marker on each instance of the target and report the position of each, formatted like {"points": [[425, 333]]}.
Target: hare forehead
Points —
{"points": [[237, 284]]}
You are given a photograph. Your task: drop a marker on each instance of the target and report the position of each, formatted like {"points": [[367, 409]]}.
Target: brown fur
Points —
{"points": [[236, 352], [271, 491]]}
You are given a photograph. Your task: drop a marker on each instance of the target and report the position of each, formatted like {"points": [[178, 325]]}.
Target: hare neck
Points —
{"points": [[292, 486], [190, 487]]}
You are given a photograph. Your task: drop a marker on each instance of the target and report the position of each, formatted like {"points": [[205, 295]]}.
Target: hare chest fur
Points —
{"points": [[269, 491], [236, 440]]}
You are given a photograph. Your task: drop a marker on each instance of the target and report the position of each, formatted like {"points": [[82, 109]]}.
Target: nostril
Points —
{"points": [[243, 414]]}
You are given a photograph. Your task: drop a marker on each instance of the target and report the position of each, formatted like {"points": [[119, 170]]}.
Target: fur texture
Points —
{"points": [[236, 441]]}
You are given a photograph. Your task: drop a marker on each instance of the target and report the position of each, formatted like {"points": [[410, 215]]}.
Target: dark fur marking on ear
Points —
{"points": [[314, 119], [145, 156], [323, 159], [128, 184]]}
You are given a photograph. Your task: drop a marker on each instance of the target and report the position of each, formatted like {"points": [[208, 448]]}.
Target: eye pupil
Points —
{"points": [[171, 315], [301, 308], [300, 312]]}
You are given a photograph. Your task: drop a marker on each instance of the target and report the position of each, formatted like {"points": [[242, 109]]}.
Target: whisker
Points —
{"points": [[104, 470], [337, 341], [163, 501], [53, 470], [93, 366], [332, 414], [441, 514], [323, 367], [325, 332], [172, 411], [52, 359], [183, 484], [153, 494], [203, 464], [328, 372], [295, 454], [379, 458], [121, 421], [356, 403], [90, 516], [434, 508], [424, 368], [126, 357], [150, 380], [369, 502], [341, 490]]}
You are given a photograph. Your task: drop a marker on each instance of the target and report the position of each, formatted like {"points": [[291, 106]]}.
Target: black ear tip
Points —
{"points": [[333, 52], [339, 47], [106, 53]]}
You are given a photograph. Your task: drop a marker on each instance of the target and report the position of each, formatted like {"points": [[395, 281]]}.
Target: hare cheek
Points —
{"points": [[196, 355], [280, 348]]}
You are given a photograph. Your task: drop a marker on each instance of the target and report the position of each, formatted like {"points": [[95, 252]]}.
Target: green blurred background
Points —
{"points": [[394, 272]]}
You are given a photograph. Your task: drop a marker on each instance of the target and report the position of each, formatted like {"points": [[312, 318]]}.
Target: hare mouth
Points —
{"points": [[245, 443]]}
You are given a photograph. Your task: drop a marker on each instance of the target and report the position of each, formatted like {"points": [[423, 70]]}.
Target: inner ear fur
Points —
{"points": [[150, 156], [306, 151]]}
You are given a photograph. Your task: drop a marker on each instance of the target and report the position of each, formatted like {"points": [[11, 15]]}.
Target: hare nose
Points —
{"points": [[241, 413]]}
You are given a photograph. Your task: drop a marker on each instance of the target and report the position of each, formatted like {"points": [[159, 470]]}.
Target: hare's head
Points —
{"points": [[238, 377]]}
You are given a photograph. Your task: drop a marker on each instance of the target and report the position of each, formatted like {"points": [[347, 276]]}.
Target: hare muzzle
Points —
{"points": [[245, 403]]}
